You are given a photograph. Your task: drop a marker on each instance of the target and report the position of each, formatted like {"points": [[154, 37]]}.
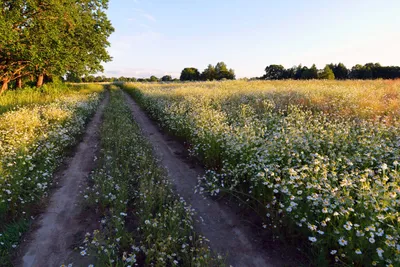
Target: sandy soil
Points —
{"points": [[57, 229], [218, 222]]}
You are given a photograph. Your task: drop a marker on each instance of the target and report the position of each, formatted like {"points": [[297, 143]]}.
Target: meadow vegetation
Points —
{"points": [[15, 99], [142, 221], [319, 160], [34, 137]]}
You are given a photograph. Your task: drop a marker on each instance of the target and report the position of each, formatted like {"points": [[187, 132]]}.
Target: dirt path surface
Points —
{"points": [[227, 232], [58, 227]]}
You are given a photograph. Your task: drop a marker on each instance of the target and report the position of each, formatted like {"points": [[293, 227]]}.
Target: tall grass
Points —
{"points": [[14, 99]]}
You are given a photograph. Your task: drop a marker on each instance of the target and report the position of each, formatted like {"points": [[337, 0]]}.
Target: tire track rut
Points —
{"points": [[218, 222], [51, 244]]}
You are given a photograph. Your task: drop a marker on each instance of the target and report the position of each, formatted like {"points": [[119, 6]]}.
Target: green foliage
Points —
{"points": [[190, 74], [10, 237], [327, 74], [166, 78], [340, 71], [153, 79], [274, 72], [73, 77], [311, 73], [52, 37], [219, 72], [223, 72], [209, 74]]}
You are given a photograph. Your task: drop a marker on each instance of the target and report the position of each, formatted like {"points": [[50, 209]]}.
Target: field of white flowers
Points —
{"points": [[142, 222], [319, 159], [34, 136]]}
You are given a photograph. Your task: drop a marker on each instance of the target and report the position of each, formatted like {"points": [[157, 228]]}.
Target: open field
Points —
{"points": [[199, 133], [318, 160], [313, 164]]}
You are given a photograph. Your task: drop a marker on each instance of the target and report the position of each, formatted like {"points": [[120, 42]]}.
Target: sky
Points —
{"points": [[161, 37]]}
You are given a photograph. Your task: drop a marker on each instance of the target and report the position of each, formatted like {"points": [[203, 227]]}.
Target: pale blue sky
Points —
{"points": [[158, 37]]}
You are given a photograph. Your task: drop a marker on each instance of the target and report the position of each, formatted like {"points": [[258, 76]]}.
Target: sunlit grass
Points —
{"points": [[315, 158], [14, 99]]}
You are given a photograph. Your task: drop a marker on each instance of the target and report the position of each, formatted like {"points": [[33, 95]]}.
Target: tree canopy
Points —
{"points": [[222, 72], [327, 73], [190, 74], [219, 72], [209, 74], [52, 38], [339, 72], [166, 78], [274, 72]]}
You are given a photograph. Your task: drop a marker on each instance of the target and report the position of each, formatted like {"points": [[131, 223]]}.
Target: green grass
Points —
{"points": [[14, 99]]}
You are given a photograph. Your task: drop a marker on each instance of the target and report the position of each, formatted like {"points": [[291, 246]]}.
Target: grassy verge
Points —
{"points": [[33, 142], [143, 222]]}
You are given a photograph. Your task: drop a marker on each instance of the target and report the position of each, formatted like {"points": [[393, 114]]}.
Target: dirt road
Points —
{"points": [[226, 231], [51, 244]]}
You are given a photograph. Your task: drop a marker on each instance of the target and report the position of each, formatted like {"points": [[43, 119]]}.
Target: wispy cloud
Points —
{"points": [[149, 17], [138, 10], [145, 14]]}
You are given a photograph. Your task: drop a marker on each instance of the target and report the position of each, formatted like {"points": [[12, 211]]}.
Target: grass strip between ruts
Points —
{"points": [[143, 222]]}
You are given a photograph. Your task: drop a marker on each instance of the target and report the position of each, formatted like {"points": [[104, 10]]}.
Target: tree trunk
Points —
{"points": [[4, 86], [19, 82], [40, 80]]}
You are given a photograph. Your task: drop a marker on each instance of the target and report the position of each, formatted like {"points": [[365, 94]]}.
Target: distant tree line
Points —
{"points": [[211, 73], [332, 72], [93, 79], [44, 39], [272, 72]]}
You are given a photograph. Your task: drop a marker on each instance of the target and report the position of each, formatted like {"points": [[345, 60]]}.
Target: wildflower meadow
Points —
{"points": [[319, 160]]}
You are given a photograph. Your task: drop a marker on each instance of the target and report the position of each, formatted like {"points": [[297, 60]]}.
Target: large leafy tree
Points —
{"points": [[52, 37], [274, 72], [309, 73], [340, 71], [209, 74], [190, 74], [327, 73], [76, 43], [223, 72], [15, 17], [166, 78]]}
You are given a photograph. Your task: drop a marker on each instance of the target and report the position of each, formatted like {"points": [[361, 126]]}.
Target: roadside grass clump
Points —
{"points": [[319, 160], [143, 223], [33, 142]]}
